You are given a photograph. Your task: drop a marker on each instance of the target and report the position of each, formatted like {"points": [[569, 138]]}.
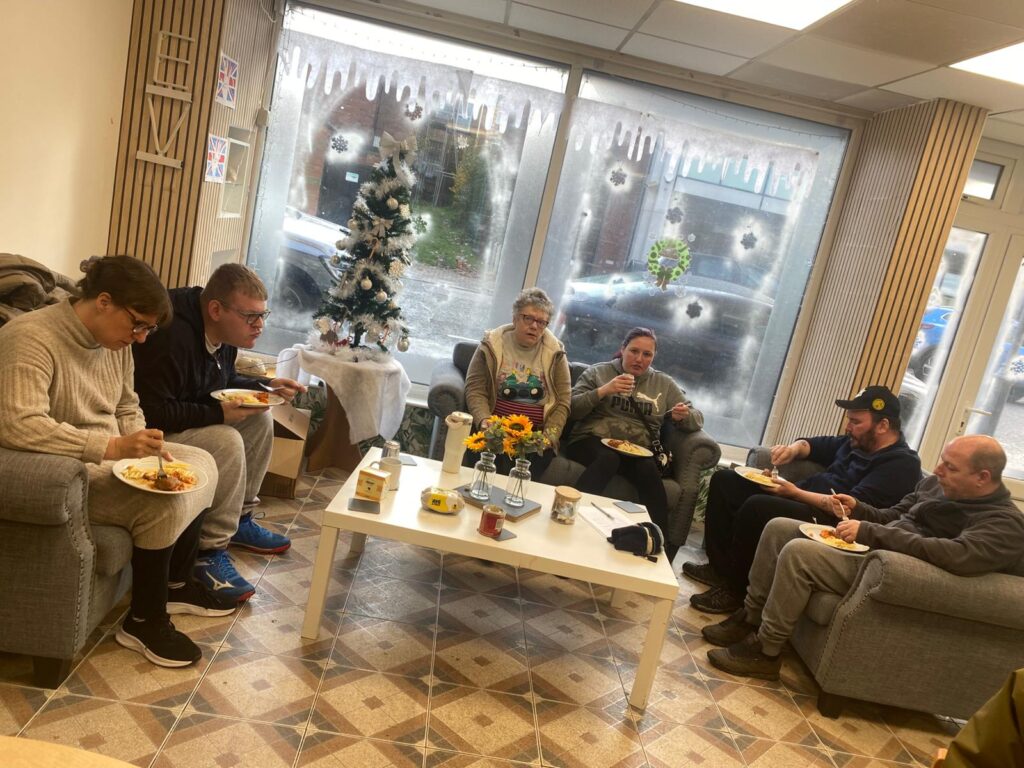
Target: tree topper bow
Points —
{"points": [[391, 148]]}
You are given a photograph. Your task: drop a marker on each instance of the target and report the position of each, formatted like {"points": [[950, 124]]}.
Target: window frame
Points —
{"points": [[579, 57]]}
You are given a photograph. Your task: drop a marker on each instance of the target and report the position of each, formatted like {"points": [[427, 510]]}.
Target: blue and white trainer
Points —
{"points": [[254, 537], [215, 571]]}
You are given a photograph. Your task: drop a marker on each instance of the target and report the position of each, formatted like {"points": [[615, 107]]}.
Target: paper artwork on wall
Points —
{"points": [[216, 159], [227, 81]]}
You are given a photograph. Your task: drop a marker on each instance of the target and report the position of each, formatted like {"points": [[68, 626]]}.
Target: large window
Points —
{"points": [[654, 178], [484, 125]]}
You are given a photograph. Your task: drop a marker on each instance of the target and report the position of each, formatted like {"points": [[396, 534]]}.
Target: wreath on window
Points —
{"points": [[667, 260]]}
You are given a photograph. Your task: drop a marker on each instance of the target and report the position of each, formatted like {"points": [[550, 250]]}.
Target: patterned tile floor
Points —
{"points": [[430, 660]]}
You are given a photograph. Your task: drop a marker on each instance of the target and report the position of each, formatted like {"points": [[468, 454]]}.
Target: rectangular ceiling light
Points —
{"points": [[1004, 64], [794, 14]]}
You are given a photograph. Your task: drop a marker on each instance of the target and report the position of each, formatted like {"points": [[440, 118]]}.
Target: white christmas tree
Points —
{"points": [[361, 311]]}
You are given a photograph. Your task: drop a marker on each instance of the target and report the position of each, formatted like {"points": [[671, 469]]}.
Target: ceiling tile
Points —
{"points": [[722, 32], [795, 82], [682, 55], [994, 95], [905, 28], [613, 12], [566, 27], [827, 58], [489, 10], [875, 100], [1001, 11]]}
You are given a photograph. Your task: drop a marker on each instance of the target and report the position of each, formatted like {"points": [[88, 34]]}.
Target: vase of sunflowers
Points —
{"points": [[515, 437]]}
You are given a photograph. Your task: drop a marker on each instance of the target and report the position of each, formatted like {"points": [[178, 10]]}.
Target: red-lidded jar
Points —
{"points": [[492, 520]]}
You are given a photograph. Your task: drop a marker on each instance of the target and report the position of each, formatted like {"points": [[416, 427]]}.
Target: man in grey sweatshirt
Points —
{"points": [[961, 519]]}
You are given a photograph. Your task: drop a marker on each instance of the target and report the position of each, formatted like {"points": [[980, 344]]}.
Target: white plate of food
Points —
{"points": [[756, 476], [626, 447], [826, 534], [142, 474], [248, 398]]}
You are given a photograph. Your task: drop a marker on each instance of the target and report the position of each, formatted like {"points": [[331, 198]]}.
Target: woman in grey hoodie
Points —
{"points": [[627, 399]]}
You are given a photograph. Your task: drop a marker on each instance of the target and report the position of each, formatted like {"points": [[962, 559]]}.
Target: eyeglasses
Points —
{"points": [[251, 318], [140, 326], [540, 322]]}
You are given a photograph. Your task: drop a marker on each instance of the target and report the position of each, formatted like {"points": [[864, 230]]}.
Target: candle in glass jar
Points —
{"points": [[492, 520]]}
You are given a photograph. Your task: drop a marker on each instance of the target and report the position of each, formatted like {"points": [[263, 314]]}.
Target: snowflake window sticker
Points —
{"points": [[414, 114], [749, 240], [1015, 368], [674, 215], [667, 260], [339, 143], [618, 177]]}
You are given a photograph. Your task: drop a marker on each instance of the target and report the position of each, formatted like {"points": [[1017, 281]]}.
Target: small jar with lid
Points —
{"points": [[565, 505]]}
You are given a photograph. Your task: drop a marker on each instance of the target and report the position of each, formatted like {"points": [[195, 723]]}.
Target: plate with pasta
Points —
{"points": [[755, 475], [142, 474], [826, 534], [247, 398], [626, 447]]}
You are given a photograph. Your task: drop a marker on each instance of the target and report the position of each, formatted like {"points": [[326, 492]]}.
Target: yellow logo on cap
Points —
{"points": [[878, 403]]}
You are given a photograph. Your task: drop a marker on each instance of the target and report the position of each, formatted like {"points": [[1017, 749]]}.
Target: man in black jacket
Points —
{"points": [[872, 462], [175, 373], [960, 519]]}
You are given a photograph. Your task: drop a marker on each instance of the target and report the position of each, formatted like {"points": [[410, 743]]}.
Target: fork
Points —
{"points": [[269, 388], [841, 507], [160, 466]]}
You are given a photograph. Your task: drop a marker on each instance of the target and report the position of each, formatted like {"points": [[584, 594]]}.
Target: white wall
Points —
{"points": [[62, 70]]}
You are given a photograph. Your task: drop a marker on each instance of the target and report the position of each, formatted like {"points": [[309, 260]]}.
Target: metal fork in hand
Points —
{"points": [[842, 509], [160, 466]]}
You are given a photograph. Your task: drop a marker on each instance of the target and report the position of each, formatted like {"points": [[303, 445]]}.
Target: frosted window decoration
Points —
{"points": [[683, 148], [435, 86]]}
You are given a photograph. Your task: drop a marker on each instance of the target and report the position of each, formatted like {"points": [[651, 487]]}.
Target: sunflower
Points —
{"points": [[517, 422], [475, 442], [508, 446]]}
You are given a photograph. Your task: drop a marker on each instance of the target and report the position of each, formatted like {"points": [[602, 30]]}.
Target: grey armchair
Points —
{"points": [[61, 575], [692, 452], [909, 634]]}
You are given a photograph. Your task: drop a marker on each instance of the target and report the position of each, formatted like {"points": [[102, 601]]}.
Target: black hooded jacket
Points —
{"points": [[174, 374]]}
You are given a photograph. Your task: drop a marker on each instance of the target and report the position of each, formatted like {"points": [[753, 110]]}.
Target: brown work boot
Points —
{"points": [[746, 659], [730, 631]]}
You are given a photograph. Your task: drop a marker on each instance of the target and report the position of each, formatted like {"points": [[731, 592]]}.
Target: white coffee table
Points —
{"points": [[575, 551]]}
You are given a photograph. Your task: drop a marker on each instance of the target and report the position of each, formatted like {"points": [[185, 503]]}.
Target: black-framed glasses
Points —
{"points": [[251, 318], [540, 322], [140, 326]]}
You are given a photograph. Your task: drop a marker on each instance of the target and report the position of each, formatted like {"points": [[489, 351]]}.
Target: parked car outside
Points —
{"points": [[929, 338], [706, 321], [304, 269]]}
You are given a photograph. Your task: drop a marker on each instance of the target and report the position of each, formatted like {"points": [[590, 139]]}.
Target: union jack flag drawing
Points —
{"points": [[227, 81], [216, 158]]}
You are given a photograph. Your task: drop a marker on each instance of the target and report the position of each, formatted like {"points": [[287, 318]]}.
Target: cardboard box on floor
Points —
{"points": [[291, 426]]}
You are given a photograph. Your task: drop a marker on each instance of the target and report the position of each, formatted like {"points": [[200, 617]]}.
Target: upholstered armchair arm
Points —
{"points": [[447, 391], [39, 489], [692, 453], [795, 471], [901, 580]]}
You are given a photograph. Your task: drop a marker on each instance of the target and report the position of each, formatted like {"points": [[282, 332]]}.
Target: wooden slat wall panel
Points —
{"points": [[154, 208], [898, 213], [952, 141], [248, 38]]}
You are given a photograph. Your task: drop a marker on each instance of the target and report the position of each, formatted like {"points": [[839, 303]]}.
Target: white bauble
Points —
{"points": [[366, 284], [381, 296], [403, 344], [392, 204]]}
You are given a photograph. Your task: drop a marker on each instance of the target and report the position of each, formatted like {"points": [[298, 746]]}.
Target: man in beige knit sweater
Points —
{"points": [[66, 371]]}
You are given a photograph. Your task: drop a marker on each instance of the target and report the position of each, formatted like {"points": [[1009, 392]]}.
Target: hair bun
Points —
{"points": [[87, 264]]}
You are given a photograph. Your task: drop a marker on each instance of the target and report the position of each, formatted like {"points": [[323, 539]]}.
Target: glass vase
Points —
{"points": [[483, 477], [518, 483]]}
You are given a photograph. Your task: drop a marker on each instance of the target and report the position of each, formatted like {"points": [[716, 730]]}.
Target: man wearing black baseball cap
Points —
{"points": [[870, 462]]}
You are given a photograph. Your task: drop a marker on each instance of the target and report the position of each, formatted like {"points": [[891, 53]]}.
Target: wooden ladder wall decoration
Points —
{"points": [[170, 73]]}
